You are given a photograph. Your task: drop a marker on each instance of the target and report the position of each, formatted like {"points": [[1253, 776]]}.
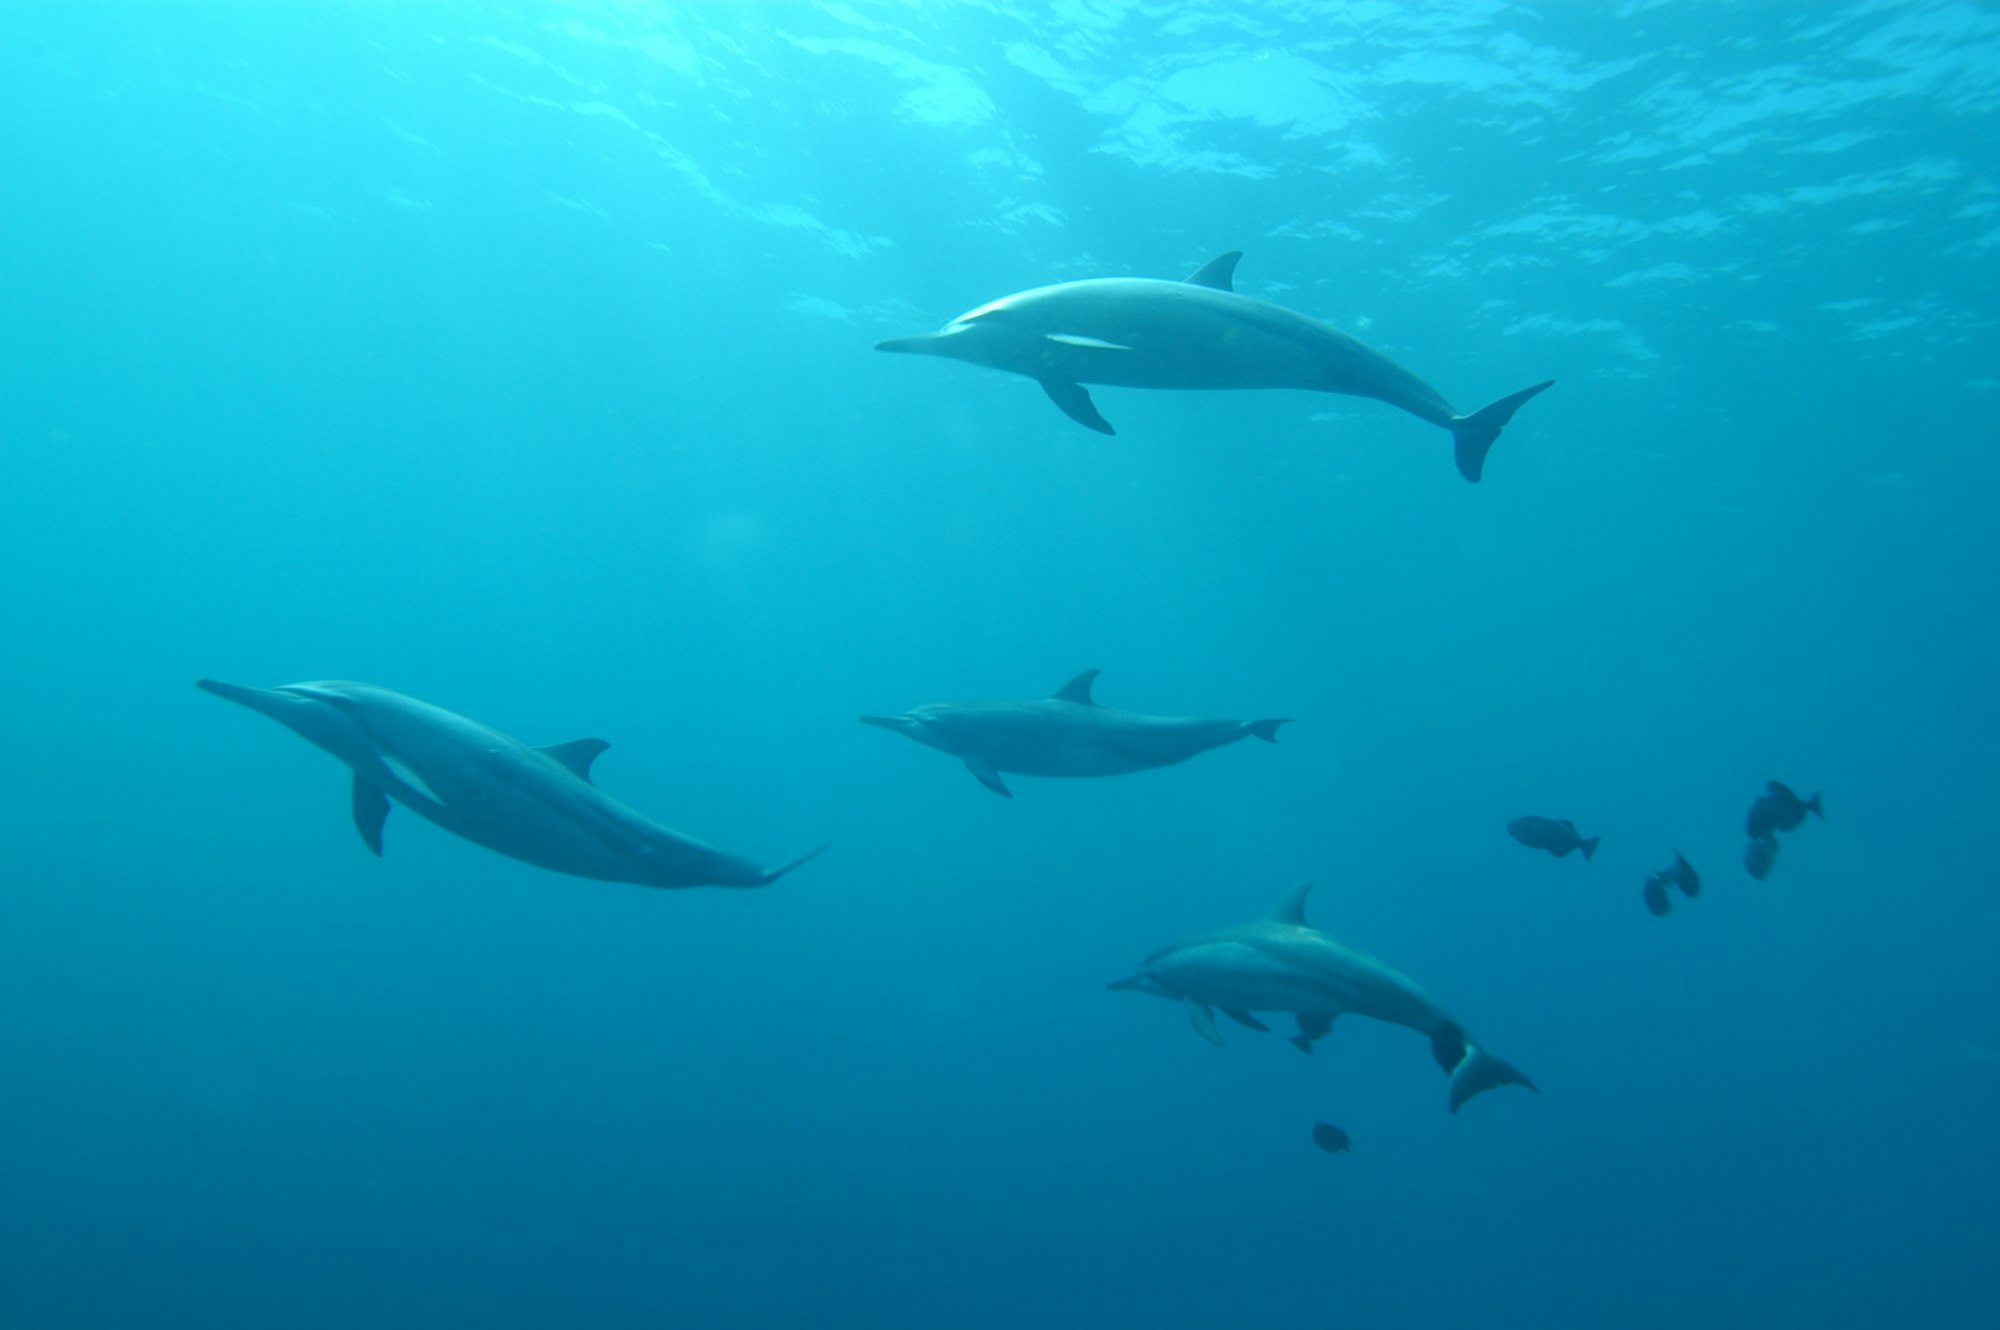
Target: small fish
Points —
{"points": [[1780, 810], [1758, 857], [1685, 877], [1330, 1138], [1658, 902], [1555, 835]]}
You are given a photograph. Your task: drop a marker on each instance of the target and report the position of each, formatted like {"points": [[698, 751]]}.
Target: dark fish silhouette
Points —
{"points": [[1331, 1139], [1780, 810], [1685, 877], [1758, 857], [1556, 835], [1680, 873]]}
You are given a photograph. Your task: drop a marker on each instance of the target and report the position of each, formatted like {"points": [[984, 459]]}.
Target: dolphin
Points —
{"points": [[1281, 963], [1145, 332], [1065, 735], [533, 804]]}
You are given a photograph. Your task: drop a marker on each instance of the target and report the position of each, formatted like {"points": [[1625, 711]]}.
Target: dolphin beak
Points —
{"points": [[257, 699], [924, 344], [1123, 985], [888, 722]]}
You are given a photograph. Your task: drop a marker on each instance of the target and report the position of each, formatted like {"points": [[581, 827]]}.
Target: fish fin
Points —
{"points": [[774, 874], [1760, 855], [1588, 845], [1292, 909], [1077, 690], [1073, 400], [1565, 822], [984, 772], [1203, 1017], [1472, 435], [1242, 1017], [1267, 730], [1685, 877], [577, 755], [1562, 851], [1449, 1045], [1219, 272], [1482, 1071], [1300, 1042], [1088, 343], [371, 810], [1814, 804], [1779, 788]]}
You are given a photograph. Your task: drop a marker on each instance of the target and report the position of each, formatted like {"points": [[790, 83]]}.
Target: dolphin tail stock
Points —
{"points": [[772, 875], [1480, 1070], [1589, 846], [1472, 435], [1267, 730]]}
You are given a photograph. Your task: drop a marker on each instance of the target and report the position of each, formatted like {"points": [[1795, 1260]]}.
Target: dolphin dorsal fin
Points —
{"points": [[1292, 909], [577, 755], [1077, 690], [1217, 271]]}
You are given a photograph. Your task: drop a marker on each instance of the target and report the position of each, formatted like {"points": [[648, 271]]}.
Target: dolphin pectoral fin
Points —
{"points": [[371, 810], [577, 754], [1472, 435], [1315, 1027], [1300, 1042], [1482, 1071], [1242, 1017], [1218, 272], [1073, 400], [984, 772], [1203, 1017]]}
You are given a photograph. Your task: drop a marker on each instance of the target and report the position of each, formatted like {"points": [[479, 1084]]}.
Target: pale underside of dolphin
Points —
{"points": [[1282, 964], [1068, 734], [537, 805], [1143, 332]]}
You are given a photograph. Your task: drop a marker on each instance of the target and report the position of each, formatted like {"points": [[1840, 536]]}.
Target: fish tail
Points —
{"points": [[1814, 805], [1588, 846], [1472, 435], [1267, 730], [1482, 1071]]}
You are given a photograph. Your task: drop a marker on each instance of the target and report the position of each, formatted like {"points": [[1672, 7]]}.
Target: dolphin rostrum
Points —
{"points": [[1144, 332], [533, 804], [1065, 735], [1280, 963]]}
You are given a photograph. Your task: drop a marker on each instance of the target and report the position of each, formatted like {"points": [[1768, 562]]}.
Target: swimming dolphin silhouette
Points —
{"points": [[532, 804], [1144, 332], [1065, 735], [1280, 963]]}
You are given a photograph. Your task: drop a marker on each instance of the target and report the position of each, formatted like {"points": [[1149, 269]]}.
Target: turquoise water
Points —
{"points": [[520, 359]]}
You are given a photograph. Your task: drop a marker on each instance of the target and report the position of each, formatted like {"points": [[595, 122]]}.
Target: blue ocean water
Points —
{"points": [[519, 358]]}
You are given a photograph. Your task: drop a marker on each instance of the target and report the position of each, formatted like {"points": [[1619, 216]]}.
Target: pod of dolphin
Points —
{"points": [[540, 805]]}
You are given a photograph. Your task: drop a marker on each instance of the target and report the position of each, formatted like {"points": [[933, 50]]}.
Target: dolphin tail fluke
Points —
{"points": [[1589, 846], [774, 874], [1267, 730], [1482, 1071], [1472, 435]]}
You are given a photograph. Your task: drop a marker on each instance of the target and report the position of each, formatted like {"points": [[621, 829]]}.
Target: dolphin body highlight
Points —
{"points": [[1065, 735], [533, 804], [1281, 963], [1144, 332]]}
